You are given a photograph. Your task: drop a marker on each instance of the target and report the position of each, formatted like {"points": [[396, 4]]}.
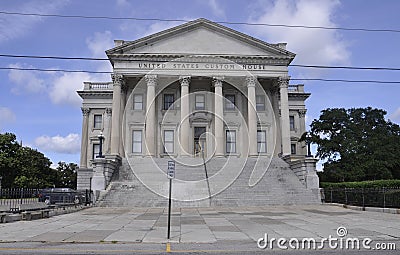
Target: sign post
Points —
{"points": [[171, 175]]}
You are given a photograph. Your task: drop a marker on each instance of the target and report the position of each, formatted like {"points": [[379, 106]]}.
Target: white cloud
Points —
{"points": [[160, 26], [63, 90], [123, 4], [25, 81], [312, 46], [216, 8], [99, 43], [6, 116], [69, 144], [395, 116], [15, 26]]}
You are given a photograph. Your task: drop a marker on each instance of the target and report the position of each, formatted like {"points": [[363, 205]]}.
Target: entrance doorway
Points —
{"points": [[200, 145]]}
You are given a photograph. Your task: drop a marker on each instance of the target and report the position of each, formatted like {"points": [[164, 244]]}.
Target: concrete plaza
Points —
{"points": [[204, 225]]}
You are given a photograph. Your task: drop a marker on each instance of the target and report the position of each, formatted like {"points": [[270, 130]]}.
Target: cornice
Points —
{"points": [[238, 59], [297, 95], [95, 94]]}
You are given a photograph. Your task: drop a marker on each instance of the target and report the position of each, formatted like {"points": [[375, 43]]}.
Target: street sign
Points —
{"points": [[171, 169]]}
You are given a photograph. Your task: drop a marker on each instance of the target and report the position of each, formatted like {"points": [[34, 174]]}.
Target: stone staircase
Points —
{"points": [[142, 182]]}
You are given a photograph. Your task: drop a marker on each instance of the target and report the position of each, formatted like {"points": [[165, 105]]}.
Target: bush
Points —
{"points": [[362, 184]]}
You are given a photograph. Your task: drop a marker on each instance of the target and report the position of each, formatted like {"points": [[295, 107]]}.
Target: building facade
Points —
{"points": [[196, 90]]}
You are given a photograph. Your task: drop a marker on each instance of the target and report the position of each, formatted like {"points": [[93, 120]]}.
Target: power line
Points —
{"points": [[186, 20], [292, 65], [106, 72], [52, 57], [344, 80], [53, 70]]}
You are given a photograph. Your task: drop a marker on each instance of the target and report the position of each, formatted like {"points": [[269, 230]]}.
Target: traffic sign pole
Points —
{"points": [[171, 175], [169, 209]]}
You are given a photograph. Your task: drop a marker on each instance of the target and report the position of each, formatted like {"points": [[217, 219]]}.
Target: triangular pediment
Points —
{"points": [[201, 36]]}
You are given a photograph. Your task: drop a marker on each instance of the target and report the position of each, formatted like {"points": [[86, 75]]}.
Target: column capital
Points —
{"points": [[251, 81], [151, 79], [283, 81], [217, 81], [184, 80], [85, 111], [118, 79], [302, 113], [108, 111]]}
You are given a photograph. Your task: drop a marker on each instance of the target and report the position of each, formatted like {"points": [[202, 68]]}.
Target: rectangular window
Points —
{"points": [[168, 101], [261, 141], [168, 141], [260, 103], [200, 102], [136, 141], [230, 102], [137, 102], [292, 126], [98, 119], [96, 150], [230, 141], [293, 148]]}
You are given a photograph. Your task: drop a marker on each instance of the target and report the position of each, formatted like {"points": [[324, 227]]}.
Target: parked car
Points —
{"points": [[61, 196]]}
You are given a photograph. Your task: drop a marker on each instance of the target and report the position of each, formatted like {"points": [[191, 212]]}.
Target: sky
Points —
{"points": [[43, 108]]}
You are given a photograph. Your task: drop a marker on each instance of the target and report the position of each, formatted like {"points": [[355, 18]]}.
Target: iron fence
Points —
{"points": [[365, 197], [12, 198]]}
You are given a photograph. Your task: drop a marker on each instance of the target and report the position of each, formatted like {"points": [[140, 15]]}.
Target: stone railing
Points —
{"points": [[296, 88], [98, 86]]}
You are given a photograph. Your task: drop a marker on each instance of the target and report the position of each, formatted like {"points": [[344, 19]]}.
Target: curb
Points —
{"points": [[39, 214], [367, 209]]}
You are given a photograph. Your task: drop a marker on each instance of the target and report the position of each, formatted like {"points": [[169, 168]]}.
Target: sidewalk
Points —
{"points": [[203, 225]]}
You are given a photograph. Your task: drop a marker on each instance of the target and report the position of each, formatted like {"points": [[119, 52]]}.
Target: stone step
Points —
{"points": [[279, 185]]}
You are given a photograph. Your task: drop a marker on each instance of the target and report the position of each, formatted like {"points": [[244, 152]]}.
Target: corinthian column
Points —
{"points": [[151, 80], [218, 117], [184, 129], [285, 127], [118, 80], [107, 130], [84, 141], [252, 114]]}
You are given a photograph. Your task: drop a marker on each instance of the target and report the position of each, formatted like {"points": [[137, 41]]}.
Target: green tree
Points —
{"points": [[358, 144], [34, 170], [25, 167], [66, 175], [9, 148]]}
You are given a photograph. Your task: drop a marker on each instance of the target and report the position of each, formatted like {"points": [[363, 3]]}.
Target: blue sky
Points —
{"points": [[43, 110]]}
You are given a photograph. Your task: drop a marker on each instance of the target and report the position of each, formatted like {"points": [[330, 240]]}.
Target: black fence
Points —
{"points": [[365, 197], [14, 197]]}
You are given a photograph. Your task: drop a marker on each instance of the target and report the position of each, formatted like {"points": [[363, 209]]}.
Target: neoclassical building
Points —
{"points": [[198, 90]]}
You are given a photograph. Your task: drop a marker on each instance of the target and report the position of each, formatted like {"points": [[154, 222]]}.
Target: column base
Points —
{"points": [[219, 155]]}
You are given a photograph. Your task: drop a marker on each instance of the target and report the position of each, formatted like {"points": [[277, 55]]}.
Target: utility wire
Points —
{"points": [[53, 70], [106, 72], [291, 65], [186, 20]]}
